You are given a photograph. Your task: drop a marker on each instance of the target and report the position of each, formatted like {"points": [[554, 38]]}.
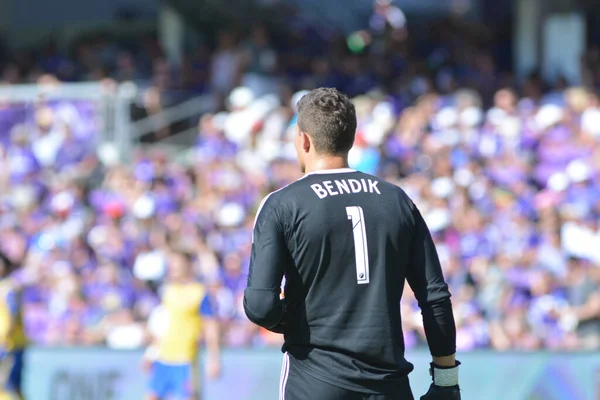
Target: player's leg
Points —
{"points": [[295, 384], [194, 382], [6, 365], [185, 382], [15, 378], [158, 384]]}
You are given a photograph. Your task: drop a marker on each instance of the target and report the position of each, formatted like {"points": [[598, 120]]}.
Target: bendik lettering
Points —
{"points": [[345, 186]]}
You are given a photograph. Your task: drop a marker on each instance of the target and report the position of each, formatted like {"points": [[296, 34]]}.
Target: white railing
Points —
{"points": [[112, 104], [67, 91], [187, 109]]}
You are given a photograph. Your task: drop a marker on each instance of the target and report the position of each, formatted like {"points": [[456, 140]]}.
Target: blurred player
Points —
{"points": [[177, 326], [346, 242], [12, 333]]}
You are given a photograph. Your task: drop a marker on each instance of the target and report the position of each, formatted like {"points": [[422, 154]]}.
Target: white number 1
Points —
{"points": [[361, 252]]}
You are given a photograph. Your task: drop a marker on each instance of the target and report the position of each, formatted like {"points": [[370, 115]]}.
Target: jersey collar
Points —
{"points": [[331, 171]]}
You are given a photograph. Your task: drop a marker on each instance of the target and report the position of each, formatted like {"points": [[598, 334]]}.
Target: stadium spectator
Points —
{"points": [[259, 63], [225, 65]]}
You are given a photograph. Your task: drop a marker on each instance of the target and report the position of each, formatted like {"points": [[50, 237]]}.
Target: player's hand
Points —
{"points": [[148, 358], [442, 393], [146, 365], [213, 368], [445, 383]]}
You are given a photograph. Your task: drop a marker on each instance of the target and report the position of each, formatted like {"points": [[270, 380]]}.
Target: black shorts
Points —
{"points": [[295, 384]]}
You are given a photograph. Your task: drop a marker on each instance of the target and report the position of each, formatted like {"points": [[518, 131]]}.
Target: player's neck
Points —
{"points": [[327, 162], [182, 281]]}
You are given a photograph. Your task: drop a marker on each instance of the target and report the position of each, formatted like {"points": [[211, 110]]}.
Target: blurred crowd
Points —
{"points": [[445, 54], [508, 182]]}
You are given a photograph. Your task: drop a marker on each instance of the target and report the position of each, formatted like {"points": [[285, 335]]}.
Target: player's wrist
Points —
{"points": [[444, 376]]}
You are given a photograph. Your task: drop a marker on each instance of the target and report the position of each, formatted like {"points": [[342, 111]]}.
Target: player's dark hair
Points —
{"points": [[329, 117], [185, 254]]}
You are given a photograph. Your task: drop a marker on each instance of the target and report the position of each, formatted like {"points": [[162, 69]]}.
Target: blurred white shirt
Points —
{"points": [[150, 266], [46, 147]]}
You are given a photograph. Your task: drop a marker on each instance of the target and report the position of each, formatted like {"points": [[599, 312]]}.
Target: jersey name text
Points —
{"points": [[345, 186]]}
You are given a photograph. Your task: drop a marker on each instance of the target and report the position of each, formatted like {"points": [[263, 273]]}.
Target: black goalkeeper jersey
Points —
{"points": [[346, 242]]}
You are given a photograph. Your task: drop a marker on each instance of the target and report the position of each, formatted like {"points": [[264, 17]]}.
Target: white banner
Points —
{"points": [[99, 374]]}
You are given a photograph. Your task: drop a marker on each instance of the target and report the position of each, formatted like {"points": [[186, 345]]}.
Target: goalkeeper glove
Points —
{"points": [[445, 383]]}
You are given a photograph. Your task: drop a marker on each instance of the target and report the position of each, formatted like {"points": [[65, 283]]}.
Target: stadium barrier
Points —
{"points": [[102, 374], [111, 106]]}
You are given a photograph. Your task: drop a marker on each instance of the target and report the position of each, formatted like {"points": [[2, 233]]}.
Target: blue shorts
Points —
{"points": [[15, 375], [171, 380]]}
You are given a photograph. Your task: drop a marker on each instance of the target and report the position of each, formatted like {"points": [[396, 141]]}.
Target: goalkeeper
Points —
{"points": [[346, 242]]}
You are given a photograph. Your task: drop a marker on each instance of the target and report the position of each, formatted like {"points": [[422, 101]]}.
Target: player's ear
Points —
{"points": [[305, 142]]}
